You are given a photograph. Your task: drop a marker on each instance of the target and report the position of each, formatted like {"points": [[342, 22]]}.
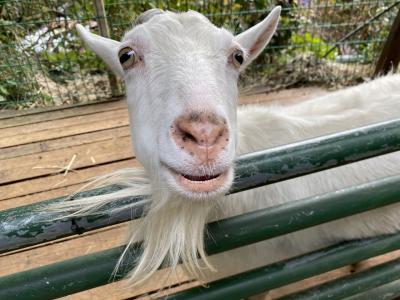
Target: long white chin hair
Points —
{"points": [[172, 232]]}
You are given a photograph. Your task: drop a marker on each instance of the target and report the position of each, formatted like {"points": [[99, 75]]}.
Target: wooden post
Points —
{"points": [[390, 55], [105, 32]]}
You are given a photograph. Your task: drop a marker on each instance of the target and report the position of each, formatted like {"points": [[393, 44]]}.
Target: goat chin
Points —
{"points": [[173, 229]]}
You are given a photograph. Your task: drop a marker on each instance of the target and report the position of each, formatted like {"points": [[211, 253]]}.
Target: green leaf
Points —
{"points": [[4, 91]]}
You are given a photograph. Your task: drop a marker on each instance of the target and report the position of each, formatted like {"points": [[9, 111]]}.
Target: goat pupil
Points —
{"points": [[239, 58], [125, 57]]}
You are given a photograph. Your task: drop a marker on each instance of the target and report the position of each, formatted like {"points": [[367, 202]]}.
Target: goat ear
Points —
{"points": [[107, 49], [257, 37]]}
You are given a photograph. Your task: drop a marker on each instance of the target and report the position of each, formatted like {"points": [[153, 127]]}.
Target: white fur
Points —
{"points": [[185, 66]]}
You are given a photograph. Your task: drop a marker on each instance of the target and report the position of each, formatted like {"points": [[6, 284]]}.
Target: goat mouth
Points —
{"points": [[199, 183], [199, 178]]}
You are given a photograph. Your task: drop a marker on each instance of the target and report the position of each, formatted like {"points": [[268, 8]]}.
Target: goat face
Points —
{"points": [[181, 77]]}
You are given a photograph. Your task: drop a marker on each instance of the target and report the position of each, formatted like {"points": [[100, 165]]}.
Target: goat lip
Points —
{"points": [[207, 185], [199, 184]]}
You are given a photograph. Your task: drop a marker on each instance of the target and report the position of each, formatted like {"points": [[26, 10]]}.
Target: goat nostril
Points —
{"points": [[195, 133], [187, 136]]}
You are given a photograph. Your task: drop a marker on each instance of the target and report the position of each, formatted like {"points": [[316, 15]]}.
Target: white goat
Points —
{"points": [[181, 81]]}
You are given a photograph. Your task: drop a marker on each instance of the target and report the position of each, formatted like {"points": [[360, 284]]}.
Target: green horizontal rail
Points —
{"points": [[309, 156], [271, 222], [30, 225], [74, 275], [384, 292], [282, 273], [351, 285], [19, 227]]}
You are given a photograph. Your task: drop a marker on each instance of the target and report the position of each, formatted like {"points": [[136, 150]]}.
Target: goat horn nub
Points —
{"points": [[147, 15]]}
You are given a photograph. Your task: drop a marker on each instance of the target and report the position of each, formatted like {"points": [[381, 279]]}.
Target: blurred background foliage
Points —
{"points": [[44, 63]]}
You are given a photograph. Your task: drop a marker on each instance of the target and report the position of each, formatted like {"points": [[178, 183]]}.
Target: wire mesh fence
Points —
{"points": [[318, 42]]}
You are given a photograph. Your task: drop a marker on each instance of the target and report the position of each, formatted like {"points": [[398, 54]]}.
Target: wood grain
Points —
{"points": [[15, 117], [60, 128], [55, 161], [64, 142], [9, 192]]}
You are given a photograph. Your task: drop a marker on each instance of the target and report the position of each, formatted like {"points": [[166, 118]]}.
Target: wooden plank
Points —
{"points": [[67, 128], [63, 249], [390, 55], [62, 123], [40, 184], [169, 290], [56, 161], [6, 114], [40, 196], [154, 289], [285, 97], [65, 142], [49, 115]]}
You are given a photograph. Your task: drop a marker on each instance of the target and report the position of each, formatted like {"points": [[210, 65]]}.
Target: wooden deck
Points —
{"points": [[50, 153]]}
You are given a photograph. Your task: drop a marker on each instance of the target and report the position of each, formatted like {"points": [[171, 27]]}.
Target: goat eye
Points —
{"points": [[237, 58], [127, 57]]}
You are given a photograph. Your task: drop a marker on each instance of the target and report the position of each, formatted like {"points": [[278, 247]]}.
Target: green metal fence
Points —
{"points": [[19, 227], [325, 42]]}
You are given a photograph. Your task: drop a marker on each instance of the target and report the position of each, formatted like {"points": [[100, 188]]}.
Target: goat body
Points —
{"points": [[266, 126], [181, 76]]}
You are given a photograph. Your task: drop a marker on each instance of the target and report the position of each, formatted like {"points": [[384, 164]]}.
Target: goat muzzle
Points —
{"points": [[202, 135]]}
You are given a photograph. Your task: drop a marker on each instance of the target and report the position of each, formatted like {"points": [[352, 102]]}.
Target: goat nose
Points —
{"points": [[200, 134]]}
